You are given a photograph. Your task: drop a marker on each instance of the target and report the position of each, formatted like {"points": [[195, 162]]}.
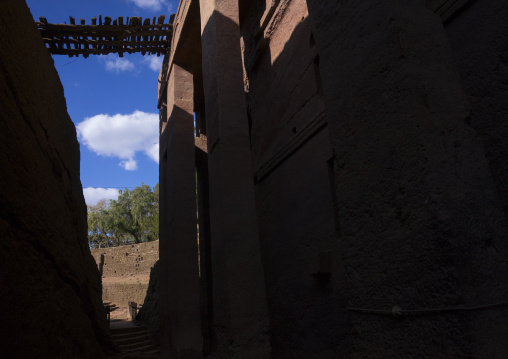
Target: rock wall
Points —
{"points": [[51, 289], [380, 197], [291, 150], [419, 218], [149, 313], [479, 40], [125, 271], [127, 260], [373, 188]]}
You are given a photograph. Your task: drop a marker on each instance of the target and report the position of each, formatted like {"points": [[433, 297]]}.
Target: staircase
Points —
{"points": [[134, 342]]}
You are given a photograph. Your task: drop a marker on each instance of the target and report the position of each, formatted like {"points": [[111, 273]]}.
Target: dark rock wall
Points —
{"points": [[394, 185], [419, 217], [291, 149], [149, 313], [50, 285], [478, 37]]}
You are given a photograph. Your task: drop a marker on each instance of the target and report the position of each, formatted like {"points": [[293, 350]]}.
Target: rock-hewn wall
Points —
{"points": [[127, 260], [291, 150], [479, 41], [125, 271], [149, 313], [379, 196], [366, 163], [419, 220], [51, 289]]}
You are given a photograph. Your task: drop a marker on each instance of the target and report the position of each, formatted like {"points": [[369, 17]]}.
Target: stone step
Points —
{"points": [[128, 336], [118, 331], [132, 339], [142, 349], [137, 346], [153, 352], [135, 342]]}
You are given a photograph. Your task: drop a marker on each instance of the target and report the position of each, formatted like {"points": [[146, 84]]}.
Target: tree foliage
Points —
{"points": [[132, 218]]}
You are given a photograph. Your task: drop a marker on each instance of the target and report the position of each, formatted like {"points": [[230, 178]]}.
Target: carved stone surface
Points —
{"points": [[149, 313], [125, 272], [49, 283], [377, 192]]}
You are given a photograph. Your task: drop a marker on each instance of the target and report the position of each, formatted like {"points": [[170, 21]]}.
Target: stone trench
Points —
{"points": [[348, 172]]}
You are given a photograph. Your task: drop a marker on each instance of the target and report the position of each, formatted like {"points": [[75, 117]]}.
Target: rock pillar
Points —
{"points": [[240, 310], [180, 314]]}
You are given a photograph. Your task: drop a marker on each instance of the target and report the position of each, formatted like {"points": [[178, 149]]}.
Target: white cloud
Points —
{"points": [[114, 63], [122, 136], [94, 195], [154, 5], [154, 62], [153, 152], [129, 165]]}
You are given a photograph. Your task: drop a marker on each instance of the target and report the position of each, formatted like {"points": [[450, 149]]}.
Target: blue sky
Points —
{"points": [[111, 100]]}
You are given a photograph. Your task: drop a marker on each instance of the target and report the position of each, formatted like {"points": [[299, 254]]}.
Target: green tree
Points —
{"points": [[98, 226], [132, 218]]}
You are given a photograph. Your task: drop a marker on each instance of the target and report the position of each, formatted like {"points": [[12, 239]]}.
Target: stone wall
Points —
{"points": [[51, 289], [378, 223], [479, 41], [150, 313], [127, 260], [419, 219], [291, 153], [125, 271]]}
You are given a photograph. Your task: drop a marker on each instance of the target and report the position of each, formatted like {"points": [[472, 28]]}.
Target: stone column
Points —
{"points": [[240, 309], [180, 308]]}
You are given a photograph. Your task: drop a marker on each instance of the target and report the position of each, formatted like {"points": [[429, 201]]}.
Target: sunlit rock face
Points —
{"points": [[50, 285]]}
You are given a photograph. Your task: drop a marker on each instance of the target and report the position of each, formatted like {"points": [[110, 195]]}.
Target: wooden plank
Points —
{"points": [[141, 44], [124, 36], [94, 22], [138, 23], [68, 45], [138, 36], [145, 38], [96, 52], [98, 28], [160, 21], [107, 22]]}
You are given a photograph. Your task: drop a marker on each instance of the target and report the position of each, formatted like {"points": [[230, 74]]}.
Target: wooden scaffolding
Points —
{"points": [[102, 38]]}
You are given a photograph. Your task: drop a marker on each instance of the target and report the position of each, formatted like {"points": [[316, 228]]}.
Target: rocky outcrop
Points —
{"points": [[50, 285], [149, 313]]}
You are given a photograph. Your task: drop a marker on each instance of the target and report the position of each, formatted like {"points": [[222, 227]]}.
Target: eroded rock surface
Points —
{"points": [[149, 313], [50, 285]]}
